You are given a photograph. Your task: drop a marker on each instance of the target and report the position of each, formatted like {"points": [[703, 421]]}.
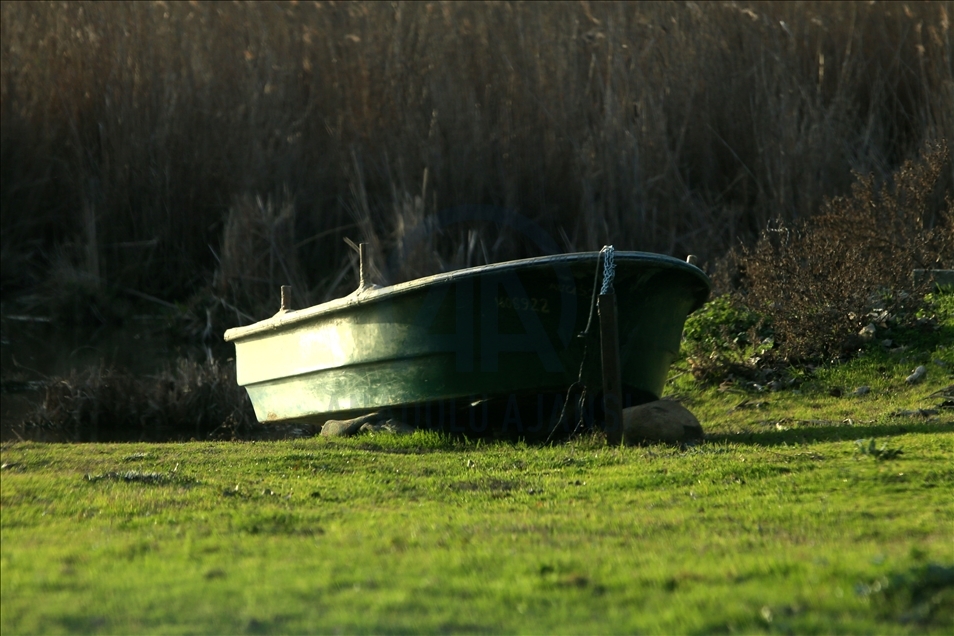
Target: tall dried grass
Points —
{"points": [[102, 404], [161, 142]]}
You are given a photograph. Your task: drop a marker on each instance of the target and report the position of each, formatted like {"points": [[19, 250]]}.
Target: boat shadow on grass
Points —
{"points": [[817, 432]]}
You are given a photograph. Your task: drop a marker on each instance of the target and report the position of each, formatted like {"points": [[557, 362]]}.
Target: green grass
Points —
{"points": [[762, 530], [827, 396], [806, 510]]}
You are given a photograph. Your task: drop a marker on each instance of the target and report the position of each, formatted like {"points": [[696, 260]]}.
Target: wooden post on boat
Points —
{"points": [[609, 350], [612, 389]]}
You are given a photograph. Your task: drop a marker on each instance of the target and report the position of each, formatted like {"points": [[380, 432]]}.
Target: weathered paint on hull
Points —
{"points": [[505, 329]]}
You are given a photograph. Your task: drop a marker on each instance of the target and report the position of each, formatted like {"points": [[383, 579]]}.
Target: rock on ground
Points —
{"points": [[392, 426], [370, 423], [917, 375], [347, 428], [660, 421]]}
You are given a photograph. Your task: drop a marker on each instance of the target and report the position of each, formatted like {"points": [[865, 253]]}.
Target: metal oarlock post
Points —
{"points": [[362, 265], [286, 298]]}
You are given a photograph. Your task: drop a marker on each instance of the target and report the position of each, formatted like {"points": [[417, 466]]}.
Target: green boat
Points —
{"points": [[502, 345]]}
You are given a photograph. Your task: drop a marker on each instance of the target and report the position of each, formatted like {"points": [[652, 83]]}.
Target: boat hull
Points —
{"points": [[513, 334]]}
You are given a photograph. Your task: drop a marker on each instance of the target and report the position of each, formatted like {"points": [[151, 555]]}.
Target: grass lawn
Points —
{"points": [[781, 521]]}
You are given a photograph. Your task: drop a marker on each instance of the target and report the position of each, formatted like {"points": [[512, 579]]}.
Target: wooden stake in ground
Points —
{"points": [[609, 348]]}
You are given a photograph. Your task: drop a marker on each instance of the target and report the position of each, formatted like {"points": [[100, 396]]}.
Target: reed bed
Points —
{"points": [[188, 400], [184, 148]]}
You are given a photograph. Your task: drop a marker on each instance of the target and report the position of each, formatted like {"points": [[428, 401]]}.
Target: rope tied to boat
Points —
{"points": [[608, 256], [609, 268]]}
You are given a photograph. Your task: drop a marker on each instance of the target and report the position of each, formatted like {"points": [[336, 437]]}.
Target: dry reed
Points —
{"points": [[102, 404], [162, 144]]}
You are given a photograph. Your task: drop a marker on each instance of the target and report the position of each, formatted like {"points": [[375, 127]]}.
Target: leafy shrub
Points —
{"points": [[725, 338], [821, 281]]}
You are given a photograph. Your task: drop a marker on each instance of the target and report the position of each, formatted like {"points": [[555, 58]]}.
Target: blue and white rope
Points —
{"points": [[609, 268]]}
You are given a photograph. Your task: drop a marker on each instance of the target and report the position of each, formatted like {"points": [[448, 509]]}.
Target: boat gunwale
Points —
{"points": [[364, 295]]}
